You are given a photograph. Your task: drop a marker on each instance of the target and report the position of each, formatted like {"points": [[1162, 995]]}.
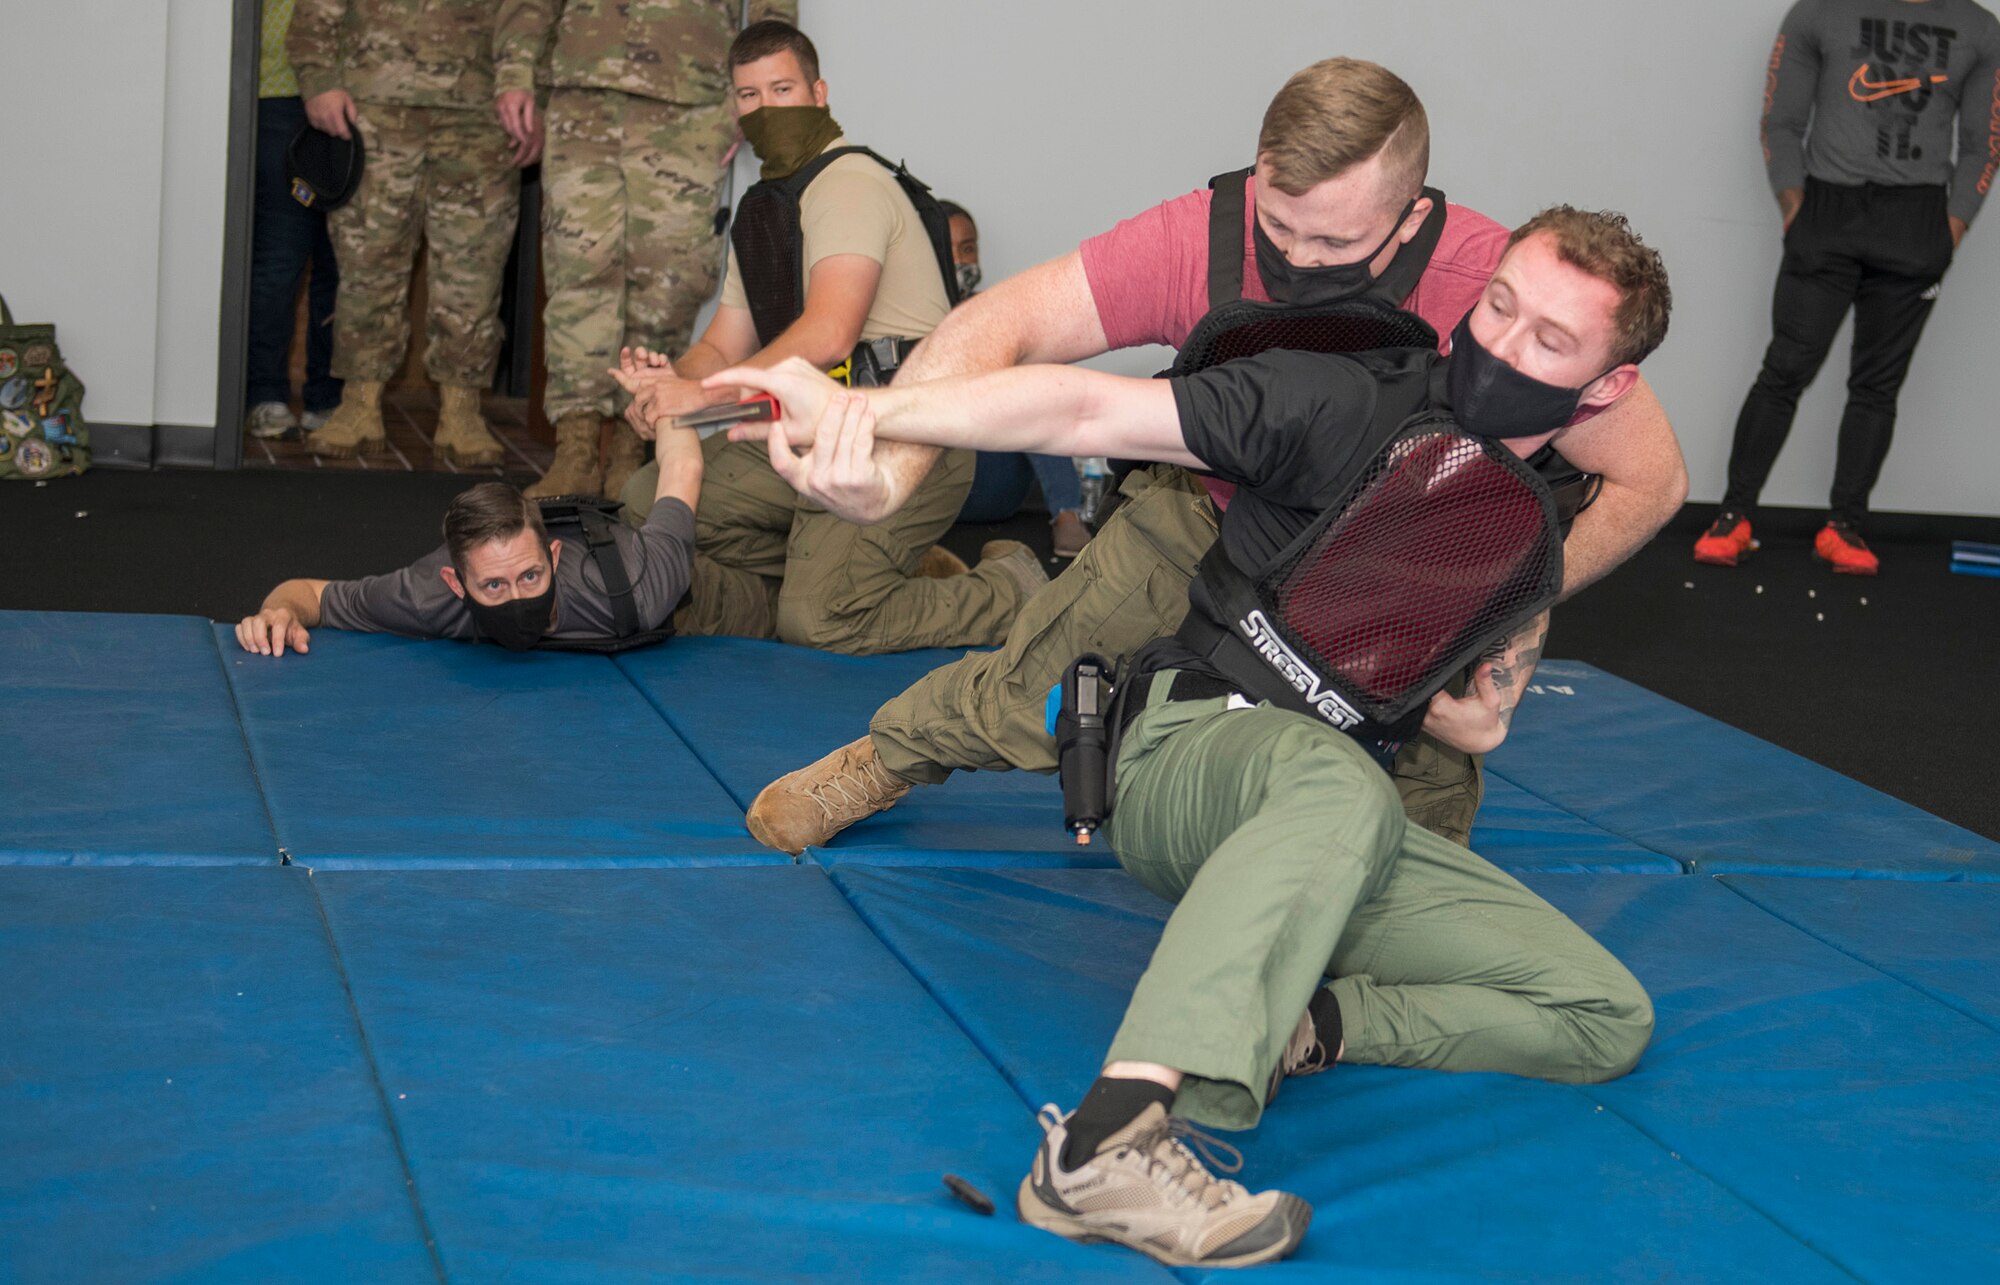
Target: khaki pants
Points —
{"points": [[1290, 860], [443, 174], [770, 565], [1128, 587]]}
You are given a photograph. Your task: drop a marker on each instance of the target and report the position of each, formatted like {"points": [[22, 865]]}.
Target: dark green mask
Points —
{"points": [[785, 138]]}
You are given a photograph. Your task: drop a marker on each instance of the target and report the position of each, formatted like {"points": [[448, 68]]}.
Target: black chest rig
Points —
{"points": [[1441, 546], [1237, 327], [770, 244], [590, 522]]}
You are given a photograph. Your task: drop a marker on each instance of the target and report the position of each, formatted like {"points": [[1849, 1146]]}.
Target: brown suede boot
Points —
{"points": [[624, 458], [355, 427], [811, 805], [940, 563], [575, 469], [462, 435]]}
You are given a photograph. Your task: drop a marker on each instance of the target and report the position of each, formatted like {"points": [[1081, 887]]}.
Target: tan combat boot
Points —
{"points": [[626, 456], [810, 806], [940, 563], [575, 469], [356, 425], [462, 435]]}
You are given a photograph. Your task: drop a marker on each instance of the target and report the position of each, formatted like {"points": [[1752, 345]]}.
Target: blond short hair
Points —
{"points": [[1336, 114], [1602, 243]]}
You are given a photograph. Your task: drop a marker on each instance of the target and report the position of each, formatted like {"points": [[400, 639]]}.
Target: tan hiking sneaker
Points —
{"points": [[626, 456], [574, 471], [355, 427], [1304, 1055], [940, 563], [462, 435], [1146, 1189], [808, 807], [1017, 562]]}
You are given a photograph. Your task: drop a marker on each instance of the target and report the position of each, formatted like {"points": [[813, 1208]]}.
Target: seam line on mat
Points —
{"points": [[949, 1010], [1880, 969], [1686, 866], [1681, 1157], [667, 718], [249, 750], [381, 1089]]}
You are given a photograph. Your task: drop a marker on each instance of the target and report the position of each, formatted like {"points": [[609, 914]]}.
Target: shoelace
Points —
{"points": [[1306, 1054], [1169, 1155], [857, 799]]}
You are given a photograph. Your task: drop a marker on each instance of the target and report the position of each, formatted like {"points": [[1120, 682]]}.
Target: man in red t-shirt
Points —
{"points": [[1341, 160]]}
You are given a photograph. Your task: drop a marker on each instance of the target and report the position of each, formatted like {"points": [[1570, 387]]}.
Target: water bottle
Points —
{"points": [[1096, 483]]}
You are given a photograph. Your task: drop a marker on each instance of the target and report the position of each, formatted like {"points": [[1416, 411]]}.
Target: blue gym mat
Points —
{"points": [[123, 746], [754, 711], [379, 751], [1942, 939], [1799, 1114], [1717, 799], [184, 1094], [681, 1074]]}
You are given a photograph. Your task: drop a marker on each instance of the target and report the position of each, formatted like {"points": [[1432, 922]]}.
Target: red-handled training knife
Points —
{"points": [[759, 408]]}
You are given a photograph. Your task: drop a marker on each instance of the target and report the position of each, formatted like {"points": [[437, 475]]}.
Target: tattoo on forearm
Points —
{"points": [[1517, 659]]}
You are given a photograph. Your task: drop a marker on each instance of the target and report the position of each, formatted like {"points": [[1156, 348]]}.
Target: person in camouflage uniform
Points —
{"points": [[639, 124], [415, 78]]}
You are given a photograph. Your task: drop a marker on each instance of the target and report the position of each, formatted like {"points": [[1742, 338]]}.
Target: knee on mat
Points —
{"points": [[1615, 1036]]}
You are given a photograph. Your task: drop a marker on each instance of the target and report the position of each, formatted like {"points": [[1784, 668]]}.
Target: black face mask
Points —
{"points": [[1304, 287], [516, 624], [1489, 398]]}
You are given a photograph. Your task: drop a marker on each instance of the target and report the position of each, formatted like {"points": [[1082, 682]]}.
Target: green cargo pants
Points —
{"points": [[1128, 587], [1290, 861], [771, 565]]}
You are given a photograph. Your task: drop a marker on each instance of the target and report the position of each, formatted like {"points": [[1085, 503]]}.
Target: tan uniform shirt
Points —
{"points": [[675, 51], [406, 53], [857, 207]]}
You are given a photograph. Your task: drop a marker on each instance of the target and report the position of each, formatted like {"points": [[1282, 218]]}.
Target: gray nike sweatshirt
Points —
{"points": [[1883, 84]]}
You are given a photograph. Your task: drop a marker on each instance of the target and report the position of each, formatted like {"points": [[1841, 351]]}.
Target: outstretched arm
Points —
{"points": [[1633, 447], [288, 613], [1056, 410], [1042, 316]]}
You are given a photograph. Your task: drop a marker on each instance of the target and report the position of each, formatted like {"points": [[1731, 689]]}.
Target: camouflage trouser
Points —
{"points": [[631, 189], [771, 565], [1128, 587], [445, 174]]}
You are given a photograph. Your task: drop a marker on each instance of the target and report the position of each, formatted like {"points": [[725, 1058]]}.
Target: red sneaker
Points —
{"points": [[1841, 545], [1726, 541]]}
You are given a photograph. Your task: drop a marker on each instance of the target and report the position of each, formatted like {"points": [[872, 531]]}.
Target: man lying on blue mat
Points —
{"points": [[1383, 534], [498, 576]]}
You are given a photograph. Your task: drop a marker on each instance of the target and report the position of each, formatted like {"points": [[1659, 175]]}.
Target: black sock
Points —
{"points": [[1108, 1107], [1325, 1010]]}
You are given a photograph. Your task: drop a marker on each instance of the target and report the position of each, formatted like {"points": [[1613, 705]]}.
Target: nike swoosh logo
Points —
{"points": [[1880, 89]]}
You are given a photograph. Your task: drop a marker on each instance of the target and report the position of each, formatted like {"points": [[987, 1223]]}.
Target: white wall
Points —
{"points": [[111, 204], [1051, 119]]}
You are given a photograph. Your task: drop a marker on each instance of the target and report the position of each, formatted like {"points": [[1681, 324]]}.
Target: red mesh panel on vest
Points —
{"points": [[1440, 546]]}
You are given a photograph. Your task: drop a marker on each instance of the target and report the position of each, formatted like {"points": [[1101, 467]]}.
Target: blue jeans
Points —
{"points": [[1001, 484], [285, 236]]}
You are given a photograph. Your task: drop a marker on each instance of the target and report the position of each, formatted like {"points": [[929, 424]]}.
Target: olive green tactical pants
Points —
{"points": [[771, 565], [1284, 847], [1128, 586]]}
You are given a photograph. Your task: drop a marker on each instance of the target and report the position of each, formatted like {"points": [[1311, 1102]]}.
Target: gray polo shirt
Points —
{"points": [[416, 602], [1885, 86]]}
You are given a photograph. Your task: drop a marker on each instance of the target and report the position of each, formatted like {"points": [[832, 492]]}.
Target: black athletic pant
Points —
{"points": [[1881, 250]]}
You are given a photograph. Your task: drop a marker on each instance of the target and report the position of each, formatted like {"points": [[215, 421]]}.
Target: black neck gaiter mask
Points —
{"points": [[1305, 287], [516, 624], [1489, 398], [785, 138]]}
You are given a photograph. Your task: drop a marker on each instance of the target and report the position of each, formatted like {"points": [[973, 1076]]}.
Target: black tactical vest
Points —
{"points": [[770, 245]]}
